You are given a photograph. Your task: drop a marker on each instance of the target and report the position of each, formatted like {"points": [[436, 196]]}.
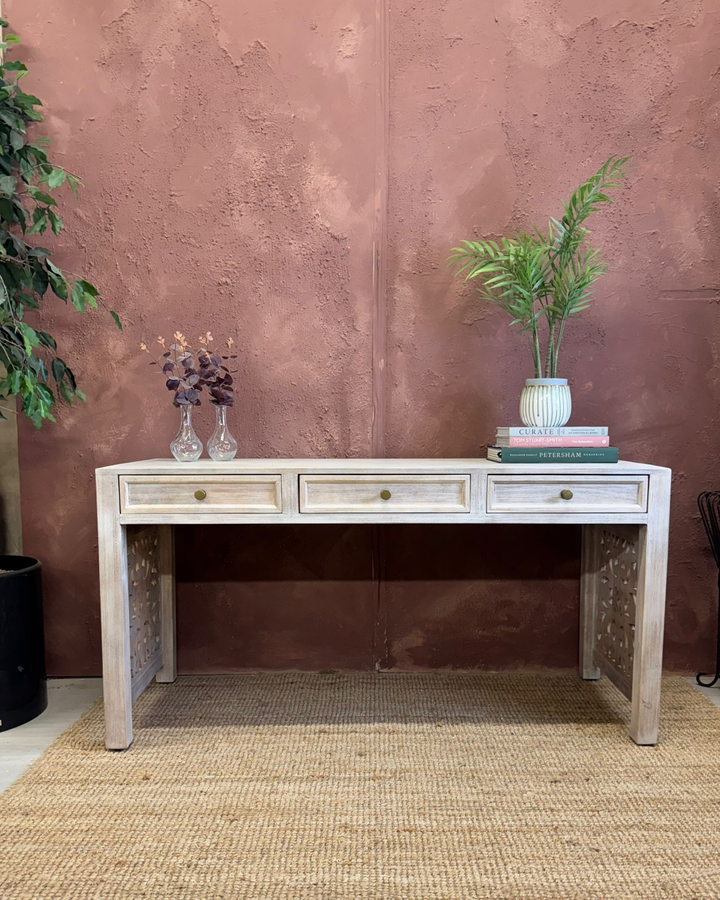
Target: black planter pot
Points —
{"points": [[23, 689]]}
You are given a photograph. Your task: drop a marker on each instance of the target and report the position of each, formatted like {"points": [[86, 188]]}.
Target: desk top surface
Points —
{"points": [[358, 466]]}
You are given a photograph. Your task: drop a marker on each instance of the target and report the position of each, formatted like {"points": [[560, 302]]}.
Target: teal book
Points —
{"points": [[553, 454]]}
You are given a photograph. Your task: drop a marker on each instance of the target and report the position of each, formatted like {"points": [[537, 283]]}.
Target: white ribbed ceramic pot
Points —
{"points": [[545, 402]]}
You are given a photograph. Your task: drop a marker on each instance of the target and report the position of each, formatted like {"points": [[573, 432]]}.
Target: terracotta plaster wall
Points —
{"points": [[497, 111], [230, 154], [229, 184]]}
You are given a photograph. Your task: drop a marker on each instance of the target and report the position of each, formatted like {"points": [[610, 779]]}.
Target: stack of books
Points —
{"points": [[524, 444]]}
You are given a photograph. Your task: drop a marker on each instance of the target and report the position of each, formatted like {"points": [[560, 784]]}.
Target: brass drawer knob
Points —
{"points": [[386, 495], [200, 495], [566, 494]]}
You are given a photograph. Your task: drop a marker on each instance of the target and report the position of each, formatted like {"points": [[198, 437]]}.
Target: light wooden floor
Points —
{"points": [[713, 693], [68, 700]]}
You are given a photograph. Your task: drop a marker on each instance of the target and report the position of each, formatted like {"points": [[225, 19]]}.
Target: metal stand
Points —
{"points": [[709, 505]]}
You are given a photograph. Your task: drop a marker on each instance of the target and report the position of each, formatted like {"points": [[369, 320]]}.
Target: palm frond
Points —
{"points": [[540, 277]]}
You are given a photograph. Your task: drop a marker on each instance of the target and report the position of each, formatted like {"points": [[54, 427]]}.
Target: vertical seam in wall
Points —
{"points": [[379, 311], [379, 316]]}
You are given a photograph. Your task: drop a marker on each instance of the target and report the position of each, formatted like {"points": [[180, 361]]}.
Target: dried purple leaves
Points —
{"points": [[188, 371]]}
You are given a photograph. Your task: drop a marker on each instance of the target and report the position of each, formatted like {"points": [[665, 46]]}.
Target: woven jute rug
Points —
{"points": [[373, 787]]}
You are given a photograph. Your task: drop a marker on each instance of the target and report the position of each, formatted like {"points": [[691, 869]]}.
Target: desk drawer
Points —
{"points": [[385, 494], [567, 494], [204, 494]]}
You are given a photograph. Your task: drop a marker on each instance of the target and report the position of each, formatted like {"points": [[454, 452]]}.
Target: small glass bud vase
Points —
{"points": [[186, 446], [222, 446]]}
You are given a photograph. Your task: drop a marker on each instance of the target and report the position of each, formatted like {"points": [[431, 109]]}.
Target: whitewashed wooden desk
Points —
{"points": [[623, 508]]}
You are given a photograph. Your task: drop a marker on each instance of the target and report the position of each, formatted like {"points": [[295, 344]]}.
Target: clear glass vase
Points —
{"points": [[186, 446], [222, 446]]}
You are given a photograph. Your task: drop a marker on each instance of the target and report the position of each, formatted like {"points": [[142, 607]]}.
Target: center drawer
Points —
{"points": [[384, 494], [567, 494], [203, 494]]}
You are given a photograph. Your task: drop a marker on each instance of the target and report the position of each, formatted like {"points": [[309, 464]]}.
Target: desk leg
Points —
{"points": [[589, 669], [166, 557], [115, 615], [650, 613], [623, 608]]}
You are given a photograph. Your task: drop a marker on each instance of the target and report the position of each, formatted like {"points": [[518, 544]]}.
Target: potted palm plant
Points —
{"points": [[541, 279], [31, 371]]}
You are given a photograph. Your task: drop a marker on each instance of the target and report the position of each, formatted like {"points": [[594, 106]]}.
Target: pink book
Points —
{"points": [[564, 441]]}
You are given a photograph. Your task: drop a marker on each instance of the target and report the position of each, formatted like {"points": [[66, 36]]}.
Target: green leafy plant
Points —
{"points": [[32, 370], [540, 279]]}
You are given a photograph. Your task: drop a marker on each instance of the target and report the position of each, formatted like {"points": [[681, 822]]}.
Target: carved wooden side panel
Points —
{"points": [[144, 591], [616, 602]]}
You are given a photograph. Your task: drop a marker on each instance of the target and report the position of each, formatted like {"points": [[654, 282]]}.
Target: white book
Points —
{"points": [[531, 431]]}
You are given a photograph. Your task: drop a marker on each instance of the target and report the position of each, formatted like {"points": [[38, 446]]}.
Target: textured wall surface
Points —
{"points": [[230, 153]]}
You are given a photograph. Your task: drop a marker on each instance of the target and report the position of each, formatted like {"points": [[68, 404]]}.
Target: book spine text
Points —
{"points": [[528, 431], [560, 441], [565, 454]]}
